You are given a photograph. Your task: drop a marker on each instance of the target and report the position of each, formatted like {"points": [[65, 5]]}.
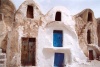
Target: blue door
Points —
{"points": [[57, 38], [59, 60], [57, 42]]}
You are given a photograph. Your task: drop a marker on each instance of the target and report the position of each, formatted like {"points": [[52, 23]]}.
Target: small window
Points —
{"points": [[91, 55], [58, 16], [89, 37], [89, 17], [0, 17], [30, 12]]}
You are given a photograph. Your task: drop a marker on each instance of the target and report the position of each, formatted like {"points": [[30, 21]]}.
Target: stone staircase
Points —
{"points": [[2, 59]]}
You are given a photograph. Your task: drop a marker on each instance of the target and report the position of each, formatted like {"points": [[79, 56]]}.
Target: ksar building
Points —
{"points": [[29, 38]]}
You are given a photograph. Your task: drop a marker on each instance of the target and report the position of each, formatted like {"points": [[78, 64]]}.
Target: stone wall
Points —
{"points": [[23, 26], [7, 11], [98, 30], [85, 21], [93, 63], [79, 31]]}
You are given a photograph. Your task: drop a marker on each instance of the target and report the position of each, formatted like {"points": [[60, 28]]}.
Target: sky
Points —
{"points": [[74, 6]]}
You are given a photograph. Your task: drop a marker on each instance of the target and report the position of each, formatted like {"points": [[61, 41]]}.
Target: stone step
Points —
{"points": [[0, 50], [2, 56], [2, 62], [2, 59], [2, 65]]}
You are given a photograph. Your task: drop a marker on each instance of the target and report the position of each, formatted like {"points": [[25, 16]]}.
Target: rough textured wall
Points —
{"points": [[7, 11], [83, 24], [98, 30], [93, 63], [3, 35], [23, 27]]}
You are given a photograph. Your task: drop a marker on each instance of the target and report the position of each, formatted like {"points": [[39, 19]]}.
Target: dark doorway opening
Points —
{"points": [[28, 52], [0, 3], [0, 17], [58, 16], [30, 12], [89, 37], [98, 57], [91, 55], [57, 38], [89, 17]]}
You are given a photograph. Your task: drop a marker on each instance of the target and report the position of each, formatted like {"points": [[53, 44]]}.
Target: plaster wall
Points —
{"points": [[22, 27], [82, 26], [45, 49]]}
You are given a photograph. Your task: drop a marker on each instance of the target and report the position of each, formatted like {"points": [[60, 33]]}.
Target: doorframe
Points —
{"points": [[62, 36], [28, 43], [63, 60]]}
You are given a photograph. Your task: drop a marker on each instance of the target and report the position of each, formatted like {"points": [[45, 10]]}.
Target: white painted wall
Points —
{"points": [[45, 49]]}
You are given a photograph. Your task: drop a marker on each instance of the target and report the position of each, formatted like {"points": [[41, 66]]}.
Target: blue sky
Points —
{"points": [[75, 6]]}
